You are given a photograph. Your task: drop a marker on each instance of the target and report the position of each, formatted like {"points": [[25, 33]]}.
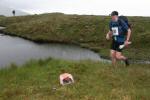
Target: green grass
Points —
{"points": [[85, 30], [35, 80]]}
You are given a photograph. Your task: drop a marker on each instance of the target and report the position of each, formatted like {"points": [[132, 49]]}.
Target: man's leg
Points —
{"points": [[119, 56], [113, 56]]}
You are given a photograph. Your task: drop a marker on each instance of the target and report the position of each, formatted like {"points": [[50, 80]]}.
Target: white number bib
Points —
{"points": [[115, 31]]}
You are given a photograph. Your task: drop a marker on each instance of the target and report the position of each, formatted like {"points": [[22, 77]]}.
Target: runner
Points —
{"points": [[120, 33]]}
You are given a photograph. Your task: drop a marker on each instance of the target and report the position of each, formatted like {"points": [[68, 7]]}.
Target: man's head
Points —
{"points": [[114, 16]]}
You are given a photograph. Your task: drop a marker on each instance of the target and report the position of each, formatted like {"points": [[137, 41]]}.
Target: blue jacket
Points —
{"points": [[119, 30]]}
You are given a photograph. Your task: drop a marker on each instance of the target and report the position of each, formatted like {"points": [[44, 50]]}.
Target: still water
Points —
{"points": [[18, 50]]}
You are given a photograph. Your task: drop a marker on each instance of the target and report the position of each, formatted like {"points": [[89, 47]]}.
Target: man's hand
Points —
{"points": [[127, 43], [108, 35]]}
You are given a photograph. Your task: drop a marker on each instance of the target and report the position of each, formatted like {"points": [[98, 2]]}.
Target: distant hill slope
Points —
{"points": [[85, 30], [8, 11]]}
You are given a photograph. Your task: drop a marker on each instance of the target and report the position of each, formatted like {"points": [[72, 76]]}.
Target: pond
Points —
{"points": [[17, 50]]}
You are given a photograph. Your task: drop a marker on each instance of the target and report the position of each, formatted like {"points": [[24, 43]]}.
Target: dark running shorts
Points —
{"points": [[115, 46]]}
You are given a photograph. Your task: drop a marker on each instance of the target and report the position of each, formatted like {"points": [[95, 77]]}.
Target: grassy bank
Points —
{"points": [[37, 80], [85, 30]]}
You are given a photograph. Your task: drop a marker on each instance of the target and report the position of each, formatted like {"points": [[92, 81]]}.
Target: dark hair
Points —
{"points": [[114, 13]]}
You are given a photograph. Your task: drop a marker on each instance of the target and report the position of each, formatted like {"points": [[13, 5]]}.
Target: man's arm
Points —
{"points": [[128, 34], [128, 37], [125, 26], [109, 34]]}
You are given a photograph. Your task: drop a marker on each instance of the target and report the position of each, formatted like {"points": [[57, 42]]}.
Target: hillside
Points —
{"points": [[39, 80], [85, 30]]}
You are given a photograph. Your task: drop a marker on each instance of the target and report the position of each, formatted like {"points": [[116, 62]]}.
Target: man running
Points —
{"points": [[120, 33]]}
